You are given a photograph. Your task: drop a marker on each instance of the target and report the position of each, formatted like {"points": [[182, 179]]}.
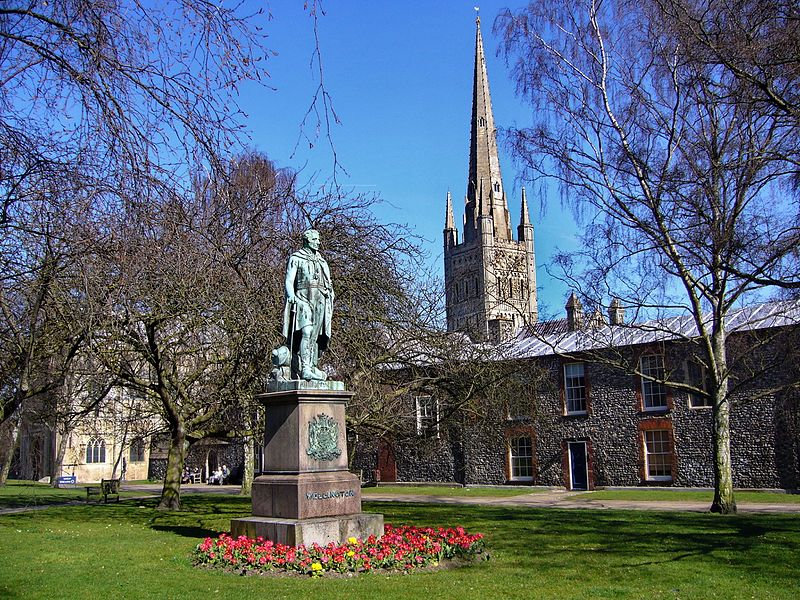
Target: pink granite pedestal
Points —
{"points": [[306, 495]]}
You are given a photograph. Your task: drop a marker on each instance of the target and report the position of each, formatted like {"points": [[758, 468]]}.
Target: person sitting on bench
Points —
{"points": [[216, 477]]}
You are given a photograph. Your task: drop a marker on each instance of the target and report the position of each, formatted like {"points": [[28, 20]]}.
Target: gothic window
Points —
{"points": [[482, 122], [137, 450], [96, 451]]}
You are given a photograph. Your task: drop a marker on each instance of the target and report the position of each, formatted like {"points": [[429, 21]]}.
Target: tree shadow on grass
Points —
{"points": [[550, 538], [187, 531], [201, 515], [217, 504], [39, 499]]}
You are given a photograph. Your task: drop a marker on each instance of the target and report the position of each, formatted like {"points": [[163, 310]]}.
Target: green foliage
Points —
{"points": [[132, 550]]}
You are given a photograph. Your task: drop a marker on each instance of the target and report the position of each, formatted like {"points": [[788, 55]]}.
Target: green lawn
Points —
{"points": [[20, 494], [130, 550], [679, 496], [440, 490]]}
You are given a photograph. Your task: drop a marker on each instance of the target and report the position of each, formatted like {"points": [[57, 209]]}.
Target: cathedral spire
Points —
{"points": [[525, 227], [490, 278], [524, 217], [449, 221], [485, 194], [450, 231]]}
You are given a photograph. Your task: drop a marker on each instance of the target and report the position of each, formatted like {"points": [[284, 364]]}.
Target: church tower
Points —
{"points": [[490, 278]]}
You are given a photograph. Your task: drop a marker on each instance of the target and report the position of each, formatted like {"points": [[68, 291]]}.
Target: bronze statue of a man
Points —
{"points": [[309, 308]]}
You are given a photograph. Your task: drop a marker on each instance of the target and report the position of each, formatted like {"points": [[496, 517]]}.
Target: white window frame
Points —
{"points": [[568, 389], [426, 409], [653, 389], [697, 375], [516, 456], [96, 451], [660, 447]]}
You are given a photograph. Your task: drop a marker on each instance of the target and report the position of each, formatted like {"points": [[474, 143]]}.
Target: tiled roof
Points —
{"points": [[553, 337]]}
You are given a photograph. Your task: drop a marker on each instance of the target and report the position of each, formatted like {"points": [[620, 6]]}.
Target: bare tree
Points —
{"points": [[755, 41], [191, 289], [42, 324], [102, 105], [182, 286], [683, 179]]}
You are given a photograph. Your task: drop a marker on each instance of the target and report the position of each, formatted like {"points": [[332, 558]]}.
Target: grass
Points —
{"points": [[655, 495], [130, 550], [449, 492], [24, 494]]}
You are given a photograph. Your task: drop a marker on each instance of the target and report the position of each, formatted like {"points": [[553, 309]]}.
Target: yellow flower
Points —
{"points": [[316, 567], [351, 554], [352, 540]]}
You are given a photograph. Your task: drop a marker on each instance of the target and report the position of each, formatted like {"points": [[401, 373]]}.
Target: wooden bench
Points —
{"points": [[107, 487]]}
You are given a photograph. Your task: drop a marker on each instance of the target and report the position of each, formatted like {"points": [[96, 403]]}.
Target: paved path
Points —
{"points": [[554, 498], [578, 500]]}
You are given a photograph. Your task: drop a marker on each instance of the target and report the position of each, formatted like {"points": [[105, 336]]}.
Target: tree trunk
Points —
{"points": [[248, 466], [120, 453], [171, 493], [9, 436], [724, 501], [61, 451]]}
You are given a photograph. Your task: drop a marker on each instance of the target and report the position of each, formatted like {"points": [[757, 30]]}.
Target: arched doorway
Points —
{"points": [[212, 463]]}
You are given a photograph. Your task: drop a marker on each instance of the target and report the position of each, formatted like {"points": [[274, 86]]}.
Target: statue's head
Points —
{"points": [[311, 239]]}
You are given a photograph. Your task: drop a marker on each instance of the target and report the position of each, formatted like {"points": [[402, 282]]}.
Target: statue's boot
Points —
{"points": [[307, 370], [316, 374]]}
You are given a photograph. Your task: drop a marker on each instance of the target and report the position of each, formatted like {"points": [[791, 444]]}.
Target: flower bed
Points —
{"points": [[402, 548]]}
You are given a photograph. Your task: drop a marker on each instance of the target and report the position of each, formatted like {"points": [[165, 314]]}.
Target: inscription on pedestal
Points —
{"points": [[330, 495]]}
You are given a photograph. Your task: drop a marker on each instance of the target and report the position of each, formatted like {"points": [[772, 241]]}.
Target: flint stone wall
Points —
{"points": [[765, 434]]}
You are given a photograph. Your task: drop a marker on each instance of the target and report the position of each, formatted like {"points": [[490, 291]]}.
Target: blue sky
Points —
{"points": [[400, 77]]}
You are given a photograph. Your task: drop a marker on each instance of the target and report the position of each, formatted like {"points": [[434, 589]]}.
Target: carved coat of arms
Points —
{"points": [[323, 438]]}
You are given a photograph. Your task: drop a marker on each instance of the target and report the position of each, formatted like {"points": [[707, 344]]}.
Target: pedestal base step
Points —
{"points": [[323, 530]]}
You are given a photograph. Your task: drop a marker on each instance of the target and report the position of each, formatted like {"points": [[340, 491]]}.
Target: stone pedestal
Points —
{"points": [[307, 495]]}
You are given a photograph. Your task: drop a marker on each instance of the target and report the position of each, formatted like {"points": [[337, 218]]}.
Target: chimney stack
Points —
{"points": [[574, 313], [616, 312]]}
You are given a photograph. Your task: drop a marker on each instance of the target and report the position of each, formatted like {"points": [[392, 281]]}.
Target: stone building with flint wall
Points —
{"points": [[576, 417], [572, 414]]}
